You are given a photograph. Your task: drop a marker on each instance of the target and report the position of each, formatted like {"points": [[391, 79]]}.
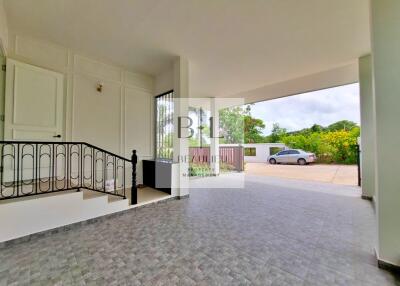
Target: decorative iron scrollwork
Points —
{"points": [[32, 168]]}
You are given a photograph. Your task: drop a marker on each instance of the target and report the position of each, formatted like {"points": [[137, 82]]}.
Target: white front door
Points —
{"points": [[33, 103]]}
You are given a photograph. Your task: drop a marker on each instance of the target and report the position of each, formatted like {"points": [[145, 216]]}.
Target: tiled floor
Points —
{"points": [[265, 234], [148, 194]]}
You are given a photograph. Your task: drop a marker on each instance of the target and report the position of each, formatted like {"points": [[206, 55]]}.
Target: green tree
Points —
{"points": [[342, 125], [316, 128], [277, 133], [253, 128], [238, 126], [231, 123]]}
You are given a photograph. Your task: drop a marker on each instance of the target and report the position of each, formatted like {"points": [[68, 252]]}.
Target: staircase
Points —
{"points": [[45, 185], [30, 168]]}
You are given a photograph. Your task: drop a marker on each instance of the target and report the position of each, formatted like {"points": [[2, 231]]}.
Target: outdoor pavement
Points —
{"points": [[335, 174], [271, 232]]}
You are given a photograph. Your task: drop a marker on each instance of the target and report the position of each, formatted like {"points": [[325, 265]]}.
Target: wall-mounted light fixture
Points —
{"points": [[99, 87]]}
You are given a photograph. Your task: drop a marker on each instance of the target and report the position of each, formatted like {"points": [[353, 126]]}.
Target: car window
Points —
{"points": [[294, 152], [282, 153]]}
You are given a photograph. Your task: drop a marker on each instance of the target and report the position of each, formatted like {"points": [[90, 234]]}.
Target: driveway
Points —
{"points": [[336, 174]]}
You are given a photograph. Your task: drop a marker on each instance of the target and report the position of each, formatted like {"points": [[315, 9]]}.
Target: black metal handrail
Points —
{"points": [[30, 168]]}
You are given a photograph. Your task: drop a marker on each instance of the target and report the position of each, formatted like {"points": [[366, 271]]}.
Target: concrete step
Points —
{"points": [[23, 216]]}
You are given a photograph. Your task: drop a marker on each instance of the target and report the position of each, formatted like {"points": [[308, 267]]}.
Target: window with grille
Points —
{"points": [[164, 105]]}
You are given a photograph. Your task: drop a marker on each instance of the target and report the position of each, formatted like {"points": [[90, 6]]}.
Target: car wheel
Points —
{"points": [[272, 161], [302, 161]]}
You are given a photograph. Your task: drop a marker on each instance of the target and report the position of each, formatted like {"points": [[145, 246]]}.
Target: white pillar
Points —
{"points": [[214, 146], [180, 176], [386, 65], [368, 130]]}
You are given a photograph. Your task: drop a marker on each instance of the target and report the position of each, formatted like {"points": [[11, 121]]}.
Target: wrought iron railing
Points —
{"points": [[30, 168]]}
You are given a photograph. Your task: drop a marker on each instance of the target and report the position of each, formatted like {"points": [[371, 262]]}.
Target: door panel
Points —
{"points": [[33, 103], [282, 158], [33, 112], [292, 157]]}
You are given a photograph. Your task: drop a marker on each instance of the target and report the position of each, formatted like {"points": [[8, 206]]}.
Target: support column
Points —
{"points": [[180, 168], [214, 142], [368, 129], [386, 66]]}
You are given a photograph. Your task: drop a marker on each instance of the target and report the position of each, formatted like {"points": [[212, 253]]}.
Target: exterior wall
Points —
{"points": [[119, 119], [368, 130], [3, 29], [262, 151], [386, 65]]}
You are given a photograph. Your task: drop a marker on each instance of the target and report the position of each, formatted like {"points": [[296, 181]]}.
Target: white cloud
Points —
{"points": [[319, 107]]}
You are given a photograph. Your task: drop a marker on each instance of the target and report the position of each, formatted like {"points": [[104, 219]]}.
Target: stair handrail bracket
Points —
{"points": [[29, 168]]}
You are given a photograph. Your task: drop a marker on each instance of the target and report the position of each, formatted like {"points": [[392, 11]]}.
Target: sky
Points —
{"points": [[300, 111]]}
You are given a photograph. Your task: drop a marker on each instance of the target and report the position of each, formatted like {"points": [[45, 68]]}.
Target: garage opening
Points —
{"points": [[310, 136]]}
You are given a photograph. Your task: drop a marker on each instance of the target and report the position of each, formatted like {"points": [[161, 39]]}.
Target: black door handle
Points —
{"points": [[57, 136]]}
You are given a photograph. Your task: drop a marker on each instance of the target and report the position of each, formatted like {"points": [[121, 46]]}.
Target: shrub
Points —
{"points": [[329, 146], [205, 170], [199, 170]]}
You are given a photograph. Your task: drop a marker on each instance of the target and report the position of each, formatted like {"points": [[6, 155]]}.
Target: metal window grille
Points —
{"points": [[164, 105]]}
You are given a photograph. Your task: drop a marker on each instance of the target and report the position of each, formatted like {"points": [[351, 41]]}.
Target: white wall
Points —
{"points": [[262, 152], [386, 64], [164, 81], [29, 216], [119, 119], [3, 29]]}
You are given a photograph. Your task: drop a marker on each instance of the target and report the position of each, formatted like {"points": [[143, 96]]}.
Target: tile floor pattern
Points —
{"points": [[260, 235]]}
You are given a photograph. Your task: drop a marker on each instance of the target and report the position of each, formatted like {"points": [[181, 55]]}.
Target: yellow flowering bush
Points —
{"points": [[329, 146]]}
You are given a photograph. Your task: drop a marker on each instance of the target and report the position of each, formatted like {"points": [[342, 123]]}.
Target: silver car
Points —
{"points": [[292, 156]]}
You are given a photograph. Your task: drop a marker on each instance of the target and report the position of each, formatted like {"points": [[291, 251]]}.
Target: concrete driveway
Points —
{"points": [[336, 174]]}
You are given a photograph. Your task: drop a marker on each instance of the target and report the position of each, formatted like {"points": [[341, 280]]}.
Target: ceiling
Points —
{"points": [[232, 45]]}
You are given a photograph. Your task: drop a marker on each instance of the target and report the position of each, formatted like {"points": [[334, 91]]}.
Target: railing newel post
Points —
{"points": [[37, 180], [124, 179], [81, 169], [17, 181], [134, 187], [115, 174]]}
